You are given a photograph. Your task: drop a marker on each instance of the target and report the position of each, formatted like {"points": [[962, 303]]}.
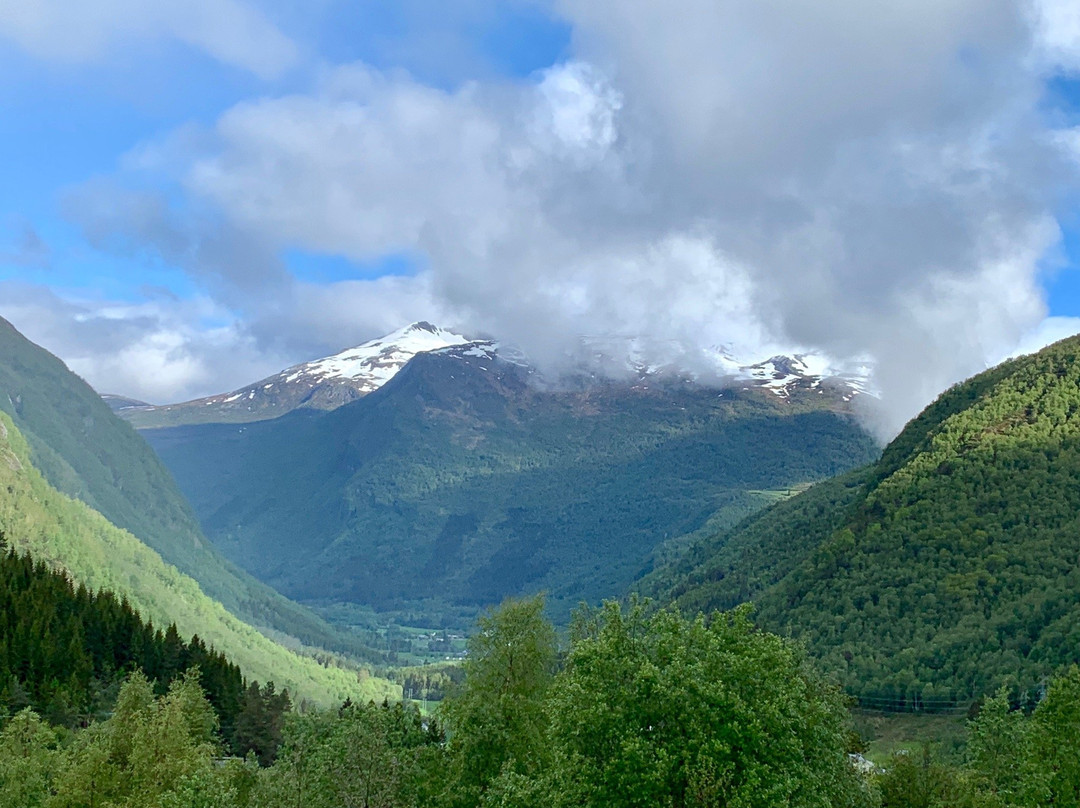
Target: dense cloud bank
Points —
{"points": [[866, 181]]}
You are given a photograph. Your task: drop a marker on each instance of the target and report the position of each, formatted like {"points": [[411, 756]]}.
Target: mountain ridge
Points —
{"points": [[67, 534], [85, 451], [333, 381]]}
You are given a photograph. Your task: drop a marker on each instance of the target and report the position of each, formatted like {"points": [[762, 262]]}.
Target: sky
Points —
{"points": [[198, 193]]}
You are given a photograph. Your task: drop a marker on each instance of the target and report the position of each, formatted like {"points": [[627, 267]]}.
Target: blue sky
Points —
{"points": [[200, 192], [67, 123]]}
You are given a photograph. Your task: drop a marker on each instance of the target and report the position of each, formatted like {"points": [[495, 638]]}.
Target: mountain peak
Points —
{"points": [[330, 382], [322, 384]]}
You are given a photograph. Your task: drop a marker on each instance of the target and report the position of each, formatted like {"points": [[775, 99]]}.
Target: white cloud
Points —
{"points": [[231, 31], [851, 177], [167, 349], [1047, 332], [1057, 26]]}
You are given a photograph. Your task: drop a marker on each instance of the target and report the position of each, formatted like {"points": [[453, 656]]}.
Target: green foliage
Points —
{"points": [[364, 755], [654, 709], [453, 487], [944, 570], [732, 567], [647, 709], [62, 647], [97, 555], [650, 709], [88, 453], [27, 761], [1057, 739], [1001, 749], [919, 781], [1013, 759], [498, 719], [153, 752], [259, 723]]}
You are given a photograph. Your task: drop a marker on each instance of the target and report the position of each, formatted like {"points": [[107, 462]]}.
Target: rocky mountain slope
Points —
{"points": [[323, 384]]}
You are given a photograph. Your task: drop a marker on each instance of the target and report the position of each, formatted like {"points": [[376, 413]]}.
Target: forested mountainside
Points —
{"points": [[64, 649], [87, 452], [69, 535], [460, 481], [948, 567]]}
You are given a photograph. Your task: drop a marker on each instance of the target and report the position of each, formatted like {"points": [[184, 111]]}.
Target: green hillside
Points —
{"points": [[65, 649], [458, 484], [948, 567], [729, 567], [87, 452], [52, 527]]}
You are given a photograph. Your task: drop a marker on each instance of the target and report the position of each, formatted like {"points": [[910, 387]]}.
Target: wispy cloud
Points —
{"points": [[232, 31]]}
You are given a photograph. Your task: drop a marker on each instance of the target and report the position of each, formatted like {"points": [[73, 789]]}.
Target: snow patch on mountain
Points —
{"points": [[724, 365], [374, 363], [334, 381]]}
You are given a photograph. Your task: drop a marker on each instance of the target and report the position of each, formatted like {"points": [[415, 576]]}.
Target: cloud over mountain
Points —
{"points": [[839, 176]]}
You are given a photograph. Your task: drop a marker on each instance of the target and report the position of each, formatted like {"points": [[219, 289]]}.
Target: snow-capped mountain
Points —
{"points": [[323, 384], [328, 383], [368, 367], [723, 366], [782, 375]]}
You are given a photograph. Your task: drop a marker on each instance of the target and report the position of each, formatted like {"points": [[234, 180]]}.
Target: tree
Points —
{"points": [[1001, 753], [919, 781], [364, 756], [259, 723], [654, 709], [28, 761], [149, 748], [1057, 738], [498, 721]]}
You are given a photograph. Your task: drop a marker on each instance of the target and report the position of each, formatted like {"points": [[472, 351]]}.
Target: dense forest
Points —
{"points": [[946, 569], [643, 708], [65, 652]]}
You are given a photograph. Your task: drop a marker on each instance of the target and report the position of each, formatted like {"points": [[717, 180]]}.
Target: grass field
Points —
{"points": [[887, 734]]}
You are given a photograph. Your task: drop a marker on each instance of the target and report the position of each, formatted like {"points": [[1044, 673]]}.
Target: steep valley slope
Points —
{"points": [[947, 568], [85, 451], [35, 518]]}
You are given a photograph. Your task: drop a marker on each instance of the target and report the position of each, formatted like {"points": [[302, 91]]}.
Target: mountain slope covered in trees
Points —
{"points": [[87, 452], [462, 481], [65, 532], [946, 568], [65, 648]]}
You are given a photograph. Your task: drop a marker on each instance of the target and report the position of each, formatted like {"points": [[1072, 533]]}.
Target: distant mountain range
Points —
{"points": [[328, 383], [457, 475]]}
